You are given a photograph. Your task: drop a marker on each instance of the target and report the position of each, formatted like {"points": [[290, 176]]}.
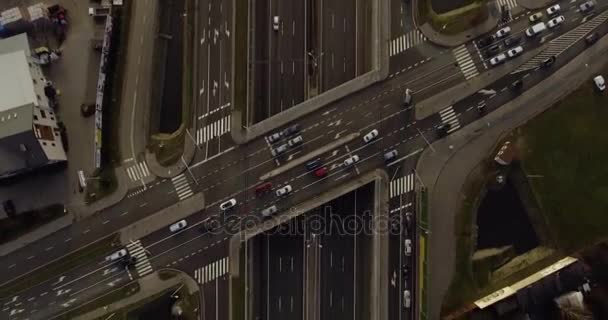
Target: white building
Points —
{"points": [[29, 135]]}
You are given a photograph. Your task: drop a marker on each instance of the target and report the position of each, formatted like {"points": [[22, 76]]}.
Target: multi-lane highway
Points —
{"points": [[223, 170]]}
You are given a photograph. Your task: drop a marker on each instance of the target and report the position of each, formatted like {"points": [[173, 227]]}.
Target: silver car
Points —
{"points": [[269, 211], [279, 150]]}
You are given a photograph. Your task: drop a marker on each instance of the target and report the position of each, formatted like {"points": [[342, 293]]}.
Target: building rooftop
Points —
{"points": [[16, 86]]}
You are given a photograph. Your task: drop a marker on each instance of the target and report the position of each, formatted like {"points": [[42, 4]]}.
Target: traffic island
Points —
{"points": [[458, 26]]}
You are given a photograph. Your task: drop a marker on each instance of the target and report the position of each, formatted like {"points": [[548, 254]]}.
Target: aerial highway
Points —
{"points": [[223, 170]]}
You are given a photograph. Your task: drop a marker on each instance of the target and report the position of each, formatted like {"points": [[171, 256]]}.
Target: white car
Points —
{"points": [[279, 150], [370, 136], [274, 137], [600, 83], [407, 299], [270, 210], [408, 247], [351, 160], [554, 9], [587, 6], [117, 255], [228, 204], [514, 52], [295, 141], [178, 226], [498, 59], [535, 17], [556, 21], [276, 21], [283, 191], [502, 32]]}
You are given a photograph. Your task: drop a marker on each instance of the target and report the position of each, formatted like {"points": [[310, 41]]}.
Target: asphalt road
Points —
{"points": [[237, 170]]}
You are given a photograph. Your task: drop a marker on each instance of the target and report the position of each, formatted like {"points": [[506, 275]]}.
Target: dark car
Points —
{"points": [[263, 189], [481, 108], [9, 208], [548, 62], [313, 164], [321, 172], [591, 38], [485, 41], [492, 51], [291, 130], [517, 84], [443, 129], [509, 42]]}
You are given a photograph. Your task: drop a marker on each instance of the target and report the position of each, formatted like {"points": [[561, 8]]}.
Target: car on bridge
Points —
{"points": [[553, 10], [556, 21], [502, 32], [228, 204], [263, 188], [269, 211], [351, 160], [178, 226], [321, 172], [498, 59], [587, 6], [295, 141], [117, 255], [512, 53], [370, 136], [279, 150], [284, 191], [389, 156]]}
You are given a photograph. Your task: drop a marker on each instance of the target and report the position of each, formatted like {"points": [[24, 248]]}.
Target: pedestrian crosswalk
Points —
{"points": [[509, 3], [406, 41], [401, 185], [449, 116], [213, 130], [562, 43], [142, 264], [465, 62], [182, 187], [138, 171], [211, 271]]}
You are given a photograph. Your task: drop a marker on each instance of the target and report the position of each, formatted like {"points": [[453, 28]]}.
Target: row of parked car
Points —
{"points": [[284, 136]]}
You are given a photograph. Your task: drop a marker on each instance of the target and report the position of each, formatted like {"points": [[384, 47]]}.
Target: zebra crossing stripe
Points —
{"points": [[211, 271], [401, 185], [182, 187], [213, 130], [509, 3], [138, 171], [465, 62], [406, 41], [449, 116], [142, 266]]}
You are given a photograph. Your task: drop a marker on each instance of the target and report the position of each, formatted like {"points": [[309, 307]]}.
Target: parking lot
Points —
{"points": [[75, 75]]}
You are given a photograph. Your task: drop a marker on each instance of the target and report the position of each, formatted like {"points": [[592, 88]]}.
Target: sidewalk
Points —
{"points": [[149, 285], [445, 171], [448, 40]]}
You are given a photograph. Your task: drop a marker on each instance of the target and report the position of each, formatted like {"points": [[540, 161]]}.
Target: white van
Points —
{"points": [[536, 29]]}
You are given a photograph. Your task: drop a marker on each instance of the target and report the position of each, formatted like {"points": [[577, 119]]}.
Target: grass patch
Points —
{"points": [[14, 227], [566, 147], [168, 148], [104, 300], [463, 287], [454, 21], [48, 271]]}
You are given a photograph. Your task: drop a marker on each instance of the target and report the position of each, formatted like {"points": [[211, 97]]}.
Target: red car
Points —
{"points": [[321, 172], [263, 189]]}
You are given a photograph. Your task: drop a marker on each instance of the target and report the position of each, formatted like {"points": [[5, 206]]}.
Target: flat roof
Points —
{"points": [[16, 86]]}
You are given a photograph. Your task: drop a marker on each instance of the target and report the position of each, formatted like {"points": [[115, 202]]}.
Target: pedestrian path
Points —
{"points": [[465, 61], [211, 271], [562, 43], [449, 116], [182, 187], [142, 264], [400, 186], [406, 41], [213, 130], [138, 171], [509, 3]]}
